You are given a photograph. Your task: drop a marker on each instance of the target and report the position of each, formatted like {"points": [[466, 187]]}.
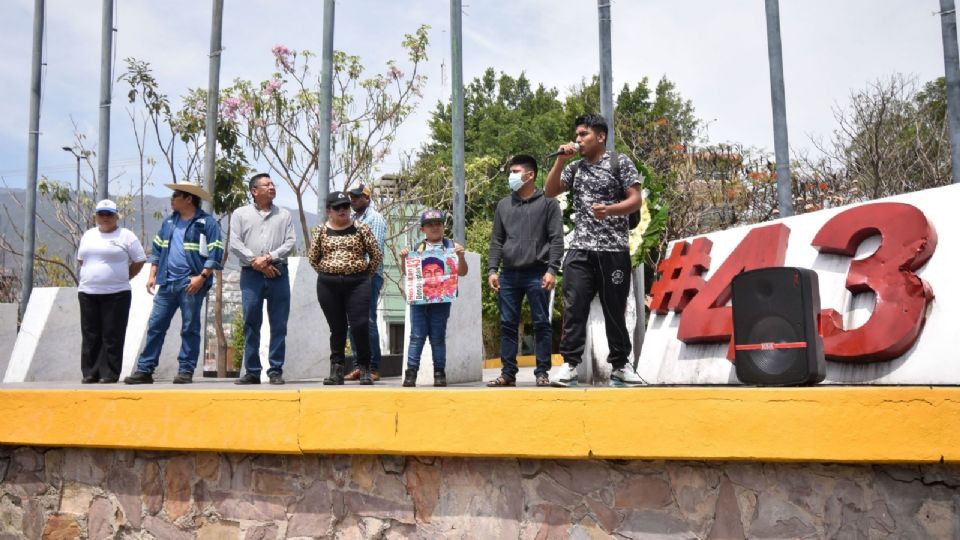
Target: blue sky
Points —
{"points": [[714, 51]]}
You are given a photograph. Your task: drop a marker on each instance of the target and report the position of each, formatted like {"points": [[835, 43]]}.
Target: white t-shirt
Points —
{"points": [[106, 260]]}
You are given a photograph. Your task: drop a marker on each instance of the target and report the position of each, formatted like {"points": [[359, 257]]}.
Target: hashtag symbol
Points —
{"points": [[680, 276]]}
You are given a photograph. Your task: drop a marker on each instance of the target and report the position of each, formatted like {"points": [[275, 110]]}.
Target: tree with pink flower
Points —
{"points": [[281, 115]]}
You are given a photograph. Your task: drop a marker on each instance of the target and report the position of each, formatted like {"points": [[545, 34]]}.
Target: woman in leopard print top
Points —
{"points": [[345, 254]]}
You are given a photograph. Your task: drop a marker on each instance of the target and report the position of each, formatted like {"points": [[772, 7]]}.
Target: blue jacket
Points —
{"points": [[201, 242]]}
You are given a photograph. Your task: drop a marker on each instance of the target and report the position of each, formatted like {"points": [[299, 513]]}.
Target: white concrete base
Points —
{"points": [[48, 345], [464, 333], [667, 360], [308, 336], [8, 334]]}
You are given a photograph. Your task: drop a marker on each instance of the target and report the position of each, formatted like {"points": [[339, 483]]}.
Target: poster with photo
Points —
{"points": [[431, 276]]}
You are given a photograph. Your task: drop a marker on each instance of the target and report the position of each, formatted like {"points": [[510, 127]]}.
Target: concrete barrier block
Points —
{"points": [[48, 345], [8, 334]]}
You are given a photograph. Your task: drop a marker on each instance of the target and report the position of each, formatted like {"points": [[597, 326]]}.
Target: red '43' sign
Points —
{"points": [[908, 240]]}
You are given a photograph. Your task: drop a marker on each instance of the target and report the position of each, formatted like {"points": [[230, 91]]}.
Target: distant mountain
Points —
{"points": [[155, 208]]}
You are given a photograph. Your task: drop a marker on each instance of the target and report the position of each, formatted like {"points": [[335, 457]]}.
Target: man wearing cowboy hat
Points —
{"points": [[185, 253]]}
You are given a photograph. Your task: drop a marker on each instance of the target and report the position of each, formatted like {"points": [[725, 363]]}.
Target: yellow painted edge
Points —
{"points": [[156, 419], [834, 424], [526, 360]]}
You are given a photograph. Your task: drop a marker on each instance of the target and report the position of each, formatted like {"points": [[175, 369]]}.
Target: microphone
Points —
{"points": [[576, 148]]}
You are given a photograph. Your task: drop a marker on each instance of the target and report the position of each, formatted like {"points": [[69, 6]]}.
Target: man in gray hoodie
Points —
{"points": [[527, 240]]}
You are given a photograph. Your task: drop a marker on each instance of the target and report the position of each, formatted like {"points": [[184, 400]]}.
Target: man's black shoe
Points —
{"points": [[140, 377], [365, 375], [248, 378], [276, 378], [410, 378], [184, 377], [89, 379], [109, 380], [336, 374], [439, 377]]}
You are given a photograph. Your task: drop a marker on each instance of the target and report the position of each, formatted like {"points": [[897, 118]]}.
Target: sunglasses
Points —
{"points": [[179, 194], [106, 214]]}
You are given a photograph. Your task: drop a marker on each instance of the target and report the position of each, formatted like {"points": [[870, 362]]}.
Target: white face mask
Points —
{"points": [[515, 180]]}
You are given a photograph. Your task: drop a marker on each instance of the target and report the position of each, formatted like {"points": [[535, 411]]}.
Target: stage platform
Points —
{"points": [[827, 424]]}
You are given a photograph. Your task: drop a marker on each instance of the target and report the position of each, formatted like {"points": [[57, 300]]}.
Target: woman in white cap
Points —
{"points": [[109, 257]]}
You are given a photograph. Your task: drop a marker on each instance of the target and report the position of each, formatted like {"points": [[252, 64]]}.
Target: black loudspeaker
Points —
{"points": [[775, 330]]}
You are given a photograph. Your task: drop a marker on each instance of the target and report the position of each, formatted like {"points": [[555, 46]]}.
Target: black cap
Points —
{"points": [[336, 199]]}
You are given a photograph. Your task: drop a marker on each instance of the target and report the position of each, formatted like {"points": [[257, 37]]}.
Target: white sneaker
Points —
{"points": [[565, 376], [626, 376]]}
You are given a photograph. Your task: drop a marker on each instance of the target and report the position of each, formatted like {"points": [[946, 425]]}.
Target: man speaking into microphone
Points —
{"points": [[604, 189]]}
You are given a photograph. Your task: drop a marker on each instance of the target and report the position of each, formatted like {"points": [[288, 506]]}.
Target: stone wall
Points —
{"points": [[72, 493]]}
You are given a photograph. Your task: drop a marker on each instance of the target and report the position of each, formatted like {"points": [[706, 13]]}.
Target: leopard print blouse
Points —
{"points": [[344, 252]]}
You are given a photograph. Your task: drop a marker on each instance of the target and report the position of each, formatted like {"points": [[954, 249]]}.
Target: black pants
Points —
{"points": [[345, 301], [586, 273], [103, 325]]}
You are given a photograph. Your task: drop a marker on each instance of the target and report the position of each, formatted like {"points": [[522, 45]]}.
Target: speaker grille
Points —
{"points": [[774, 329]]}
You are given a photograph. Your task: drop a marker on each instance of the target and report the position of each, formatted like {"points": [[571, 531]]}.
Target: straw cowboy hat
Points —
{"points": [[192, 188]]}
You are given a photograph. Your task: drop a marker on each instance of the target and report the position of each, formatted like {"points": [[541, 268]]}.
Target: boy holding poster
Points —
{"points": [[430, 269]]}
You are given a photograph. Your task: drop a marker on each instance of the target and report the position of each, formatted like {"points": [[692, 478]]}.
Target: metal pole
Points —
{"points": [[456, 72], [33, 136], [326, 110], [606, 69], [778, 99], [951, 59], [106, 84], [213, 103]]}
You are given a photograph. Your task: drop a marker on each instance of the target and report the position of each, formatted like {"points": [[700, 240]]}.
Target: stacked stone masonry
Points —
{"points": [[63, 493]]}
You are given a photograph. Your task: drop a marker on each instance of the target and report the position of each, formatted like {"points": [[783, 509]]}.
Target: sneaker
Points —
{"points": [[410, 378], [184, 377], [439, 377], [276, 378], [248, 378], [565, 376], [140, 377], [353, 375], [626, 376]]}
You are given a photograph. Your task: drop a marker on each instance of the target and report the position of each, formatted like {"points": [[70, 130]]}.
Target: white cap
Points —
{"points": [[107, 205]]}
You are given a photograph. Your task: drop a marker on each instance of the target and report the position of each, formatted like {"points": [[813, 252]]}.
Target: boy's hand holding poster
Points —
{"points": [[431, 276]]}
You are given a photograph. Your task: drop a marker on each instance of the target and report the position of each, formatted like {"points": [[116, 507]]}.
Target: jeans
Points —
{"points": [[255, 288], [103, 325], [376, 284], [514, 284], [428, 320], [169, 298], [585, 274], [345, 300]]}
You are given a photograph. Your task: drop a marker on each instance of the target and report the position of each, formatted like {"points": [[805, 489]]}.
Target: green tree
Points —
{"points": [[506, 115], [890, 138]]}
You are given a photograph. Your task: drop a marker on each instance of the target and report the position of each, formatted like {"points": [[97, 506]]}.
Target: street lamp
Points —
{"points": [[79, 156]]}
